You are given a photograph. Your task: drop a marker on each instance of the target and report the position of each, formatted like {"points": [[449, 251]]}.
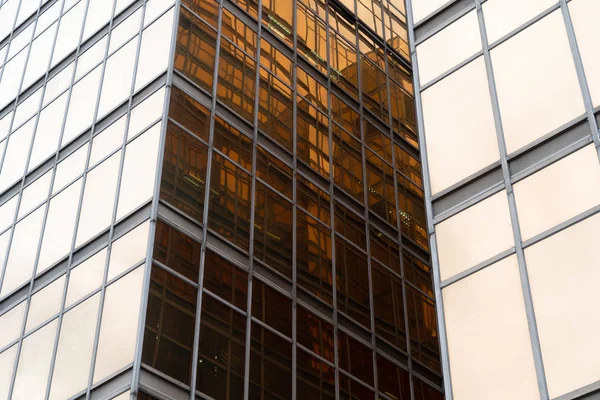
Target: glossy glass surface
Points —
{"points": [[502, 16]]}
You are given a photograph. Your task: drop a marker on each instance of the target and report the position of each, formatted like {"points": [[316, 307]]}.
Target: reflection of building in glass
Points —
{"points": [[507, 103], [212, 199]]}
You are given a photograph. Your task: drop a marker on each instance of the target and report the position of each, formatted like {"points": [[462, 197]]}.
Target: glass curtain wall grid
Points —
{"points": [[507, 99], [217, 200]]}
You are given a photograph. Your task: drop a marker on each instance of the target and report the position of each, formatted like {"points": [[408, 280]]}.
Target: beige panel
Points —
{"points": [[488, 338], [459, 126], [537, 86], [503, 16], [585, 15], [474, 235], [449, 47], [422, 8], [542, 203], [564, 271]]}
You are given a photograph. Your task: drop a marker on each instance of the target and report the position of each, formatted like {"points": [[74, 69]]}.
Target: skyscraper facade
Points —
{"points": [[508, 94], [216, 200]]}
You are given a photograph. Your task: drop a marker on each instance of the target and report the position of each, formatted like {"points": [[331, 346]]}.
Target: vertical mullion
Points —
{"points": [[205, 205], [526, 288], [435, 266]]}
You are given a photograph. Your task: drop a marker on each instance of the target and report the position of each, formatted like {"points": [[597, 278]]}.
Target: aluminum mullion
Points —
{"points": [[197, 326], [137, 358], [525, 285], [435, 266], [117, 188], [294, 200]]}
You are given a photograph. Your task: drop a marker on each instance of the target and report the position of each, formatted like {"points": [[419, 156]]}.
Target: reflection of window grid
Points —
{"points": [[352, 282], [380, 186], [236, 79], [388, 306], [312, 129], [412, 212]]}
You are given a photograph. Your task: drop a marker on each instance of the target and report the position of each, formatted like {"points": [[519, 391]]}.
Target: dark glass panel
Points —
{"points": [[378, 141], [206, 9], [278, 16], [396, 33], [350, 225], [311, 90], [393, 381], [315, 378], [352, 390], [385, 250], [221, 351], [275, 113], [311, 37], [175, 250], [345, 116], [388, 306], [250, 6], [277, 62], [355, 358], [418, 273], [422, 326], [380, 188], [233, 143], [237, 77], [195, 50], [145, 396], [312, 128], [411, 209], [274, 172], [270, 365], [369, 11], [374, 88], [272, 307], [313, 257], [225, 280], [230, 206], [273, 229], [408, 165], [343, 64], [238, 32], [170, 322], [189, 113], [424, 391], [347, 163], [184, 172], [352, 280], [314, 200], [403, 114], [315, 334]]}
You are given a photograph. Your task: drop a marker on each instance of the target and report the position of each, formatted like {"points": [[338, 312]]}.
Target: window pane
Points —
{"points": [[272, 307], [313, 199], [225, 280], [12, 321], [188, 112], [75, 346], [146, 113], [315, 333], [388, 306], [69, 168], [118, 332], [503, 16], [237, 75], [352, 279], [7, 364], [45, 304], [449, 47], [170, 322], [15, 156], [154, 50], [584, 16], [421, 8], [459, 130], [355, 358], [82, 105], [118, 76], [86, 277], [34, 363], [128, 250], [48, 133], [177, 251], [229, 208], [233, 143], [315, 379], [393, 380], [463, 241], [184, 172], [524, 66], [350, 225], [494, 360], [563, 271], [274, 172], [108, 140], [275, 109]]}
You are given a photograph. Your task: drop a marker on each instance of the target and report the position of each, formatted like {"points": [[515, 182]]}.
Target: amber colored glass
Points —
{"points": [[343, 64], [345, 116], [313, 257], [417, 272], [377, 141], [225, 280], [195, 50], [384, 250], [315, 334], [311, 37], [423, 391], [404, 117], [311, 90], [189, 113], [315, 378], [270, 365], [423, 329], [347, 163], [177, 251], [275, 112], [234, 144], [352, 280], [313, 199], [278, 17], [411, 209], [184, 172], [170, 323], [206, 9], [312, 129], [237, 76], [352, 390], [276, 62], [393, 380], [272, 307], [388, 306], [274, 172], [408, 165], [350, 225], [229, 208], [221, 351], [238, 33], [355, 358]]}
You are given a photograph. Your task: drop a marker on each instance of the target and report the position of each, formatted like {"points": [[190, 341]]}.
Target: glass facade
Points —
{"points": [[507, 110], [212, 199]]}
